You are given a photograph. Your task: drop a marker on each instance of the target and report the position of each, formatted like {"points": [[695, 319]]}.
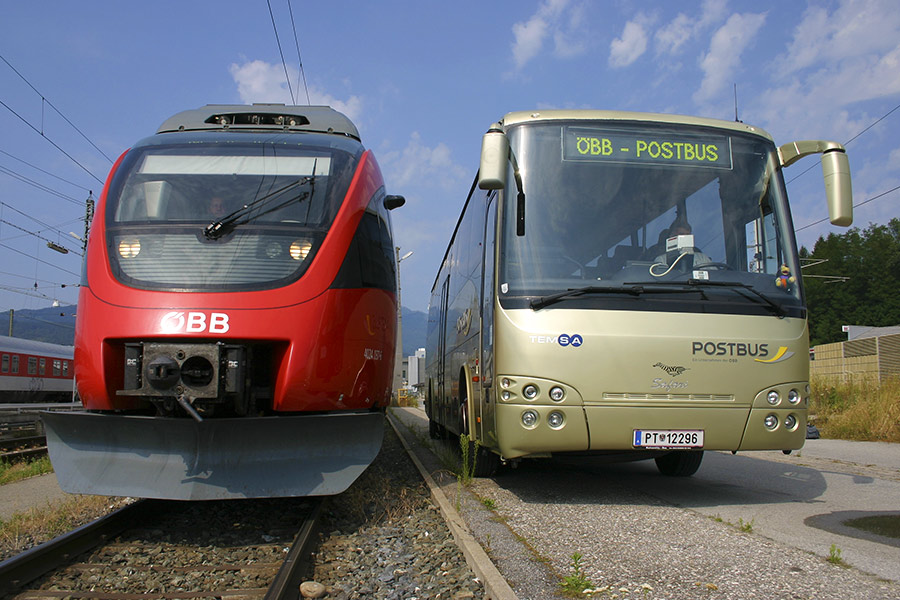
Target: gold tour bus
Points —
{"points": [[625, 284]]}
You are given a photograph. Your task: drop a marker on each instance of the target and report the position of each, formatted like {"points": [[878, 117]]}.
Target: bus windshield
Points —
{"points": [[648, 209]]}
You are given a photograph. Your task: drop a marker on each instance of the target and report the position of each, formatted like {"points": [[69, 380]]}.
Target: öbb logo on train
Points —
{"points": [[178, 321]]}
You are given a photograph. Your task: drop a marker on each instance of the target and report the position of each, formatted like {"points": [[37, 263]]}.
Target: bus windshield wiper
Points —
{"points": [[776, 308], [633, 289], [258, 208]]}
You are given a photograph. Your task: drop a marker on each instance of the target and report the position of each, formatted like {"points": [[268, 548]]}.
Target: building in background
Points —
{"points": [[871, 353]]}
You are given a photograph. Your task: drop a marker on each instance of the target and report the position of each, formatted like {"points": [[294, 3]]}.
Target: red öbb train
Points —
{"points": [[236, 323]]}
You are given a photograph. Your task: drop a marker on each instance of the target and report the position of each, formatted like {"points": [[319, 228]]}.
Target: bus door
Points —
{"points": [[443, 412], [487, 424]]}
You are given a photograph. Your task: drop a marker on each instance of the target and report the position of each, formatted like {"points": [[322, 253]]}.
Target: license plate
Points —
{"points": [[668, 438]]}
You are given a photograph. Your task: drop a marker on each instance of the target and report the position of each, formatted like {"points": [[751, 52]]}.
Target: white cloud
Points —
{"points": [[671, 37], [626, 49], [725, 49], [834, 61], [259, 81], [554, 19], [419, 165], [856, 28]]}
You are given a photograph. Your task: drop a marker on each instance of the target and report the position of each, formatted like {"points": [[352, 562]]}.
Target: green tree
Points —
{"points": [[870, 260]]}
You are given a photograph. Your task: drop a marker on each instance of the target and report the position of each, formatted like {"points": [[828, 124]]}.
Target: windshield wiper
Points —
{"points": [[633, 289], [258, 208], [776, 308]]}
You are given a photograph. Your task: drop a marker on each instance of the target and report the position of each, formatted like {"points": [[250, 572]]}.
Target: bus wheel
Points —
{"points": [[486, 462], [680, 463]]}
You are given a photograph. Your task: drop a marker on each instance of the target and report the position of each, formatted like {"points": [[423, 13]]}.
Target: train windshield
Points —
{"points": [[206, 212], [649, 217]]}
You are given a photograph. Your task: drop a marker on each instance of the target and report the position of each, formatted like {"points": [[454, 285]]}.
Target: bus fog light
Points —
{"points": [[773, 398], [505, 395], [790, 422], [505, 382], [530, 391], [529, 419], [557, 393], [771, 422], [555, 420], [794, 397]]}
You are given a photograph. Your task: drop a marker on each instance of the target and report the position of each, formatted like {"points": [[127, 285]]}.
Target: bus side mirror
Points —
{"points": [[392, 202], [836, 171], [494, 160]]}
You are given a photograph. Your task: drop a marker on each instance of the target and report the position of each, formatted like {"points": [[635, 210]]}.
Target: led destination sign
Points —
{"points": [[646, 146]]}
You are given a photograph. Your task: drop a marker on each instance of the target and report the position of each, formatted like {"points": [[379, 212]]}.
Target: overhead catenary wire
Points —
{"points": [[299, 59], [283, 63], [54, 144], [40, 186], [50, 104], [877, 196], [35, 167]]}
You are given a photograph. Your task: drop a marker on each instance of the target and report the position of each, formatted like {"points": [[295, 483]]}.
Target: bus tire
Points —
{"points": [[486, 462], [679, 463]]}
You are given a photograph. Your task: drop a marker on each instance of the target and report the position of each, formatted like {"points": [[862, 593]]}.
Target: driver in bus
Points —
{"points": [[217, 208], [680, 226]]}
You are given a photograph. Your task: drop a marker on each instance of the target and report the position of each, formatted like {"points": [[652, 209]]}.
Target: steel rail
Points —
{"points": [[20, 570], [287, 581]]}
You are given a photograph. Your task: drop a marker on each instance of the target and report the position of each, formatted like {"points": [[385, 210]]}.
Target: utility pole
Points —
{"points": [[11, 313], [398, 352]]}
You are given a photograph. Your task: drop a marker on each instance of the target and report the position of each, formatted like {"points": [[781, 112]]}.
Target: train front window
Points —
{"points": [[649, 217], [210, 213]]}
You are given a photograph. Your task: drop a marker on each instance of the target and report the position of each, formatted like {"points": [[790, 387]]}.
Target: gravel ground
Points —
{"points": [[532, 521], [385, 539]]}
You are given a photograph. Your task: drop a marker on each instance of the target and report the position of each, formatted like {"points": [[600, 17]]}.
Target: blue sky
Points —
{"points": [[423, 81]]}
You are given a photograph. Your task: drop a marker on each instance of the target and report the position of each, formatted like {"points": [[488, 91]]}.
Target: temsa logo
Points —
{"points": [[178, 321]]}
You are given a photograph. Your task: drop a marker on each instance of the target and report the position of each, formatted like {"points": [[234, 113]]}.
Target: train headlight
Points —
{"points": [[555, 420], [530, 391], [773, 397], [300, 249], [557, 394], [794, 397], [273, 249], [771, 422], [129, 247], [790, 422], [529, 419]]}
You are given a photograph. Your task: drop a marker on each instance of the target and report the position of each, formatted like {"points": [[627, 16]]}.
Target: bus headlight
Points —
{"points": [[129, 247], [773, 397], [771, 422], [557, 393], [794, 397], [790, 422], [530, 391], [555, 420], [529, 419]]}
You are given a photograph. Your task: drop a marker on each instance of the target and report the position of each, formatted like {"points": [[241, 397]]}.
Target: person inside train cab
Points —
{"points": [[217, 208]]}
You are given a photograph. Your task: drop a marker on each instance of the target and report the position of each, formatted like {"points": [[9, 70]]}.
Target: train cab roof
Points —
{"points": [[261, 117]]}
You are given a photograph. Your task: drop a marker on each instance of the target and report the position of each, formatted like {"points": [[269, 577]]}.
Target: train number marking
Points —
{"points": [[178, 321]]}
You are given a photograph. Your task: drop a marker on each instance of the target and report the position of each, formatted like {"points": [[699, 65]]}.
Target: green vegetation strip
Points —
{"points": [[11, 472]]}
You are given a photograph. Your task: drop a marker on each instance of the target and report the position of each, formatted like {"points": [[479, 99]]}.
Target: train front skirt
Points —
{"points": [[183, 459]]}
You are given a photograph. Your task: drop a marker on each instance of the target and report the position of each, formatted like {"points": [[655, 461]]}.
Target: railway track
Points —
{"points": [[169, 550]]}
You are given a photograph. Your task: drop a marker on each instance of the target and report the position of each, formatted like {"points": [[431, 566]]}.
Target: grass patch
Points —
{"points": [[857, 410], [38, 525], [834, 556], [886, 525], [11, 472]]}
